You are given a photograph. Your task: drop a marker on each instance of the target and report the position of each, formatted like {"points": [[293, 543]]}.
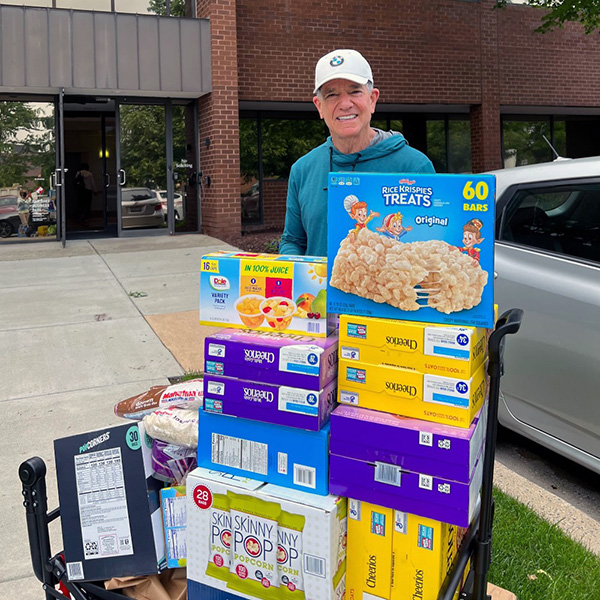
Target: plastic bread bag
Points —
{"points": [[253, 559], [289, 555], [171, 463], [187, 394], [177, 426], [220, 538]]}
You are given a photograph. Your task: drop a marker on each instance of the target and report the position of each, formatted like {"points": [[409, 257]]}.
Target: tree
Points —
{"points": [[26, 142], [585, 12], [143, 143], [159, 7]]}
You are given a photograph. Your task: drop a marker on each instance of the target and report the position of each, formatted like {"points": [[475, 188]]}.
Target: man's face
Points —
{"points": [[346, 107], [361, 215], [396, 227]]}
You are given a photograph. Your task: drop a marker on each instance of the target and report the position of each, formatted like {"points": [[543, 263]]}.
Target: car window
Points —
{"points": [[8, 201], [562, 219], [131, 194]]}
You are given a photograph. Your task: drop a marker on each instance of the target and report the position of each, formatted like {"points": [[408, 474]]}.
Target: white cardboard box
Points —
{"points": [[320, 549]]}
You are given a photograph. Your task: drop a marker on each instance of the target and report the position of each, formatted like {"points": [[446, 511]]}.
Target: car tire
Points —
{"points": [[6, 229]]}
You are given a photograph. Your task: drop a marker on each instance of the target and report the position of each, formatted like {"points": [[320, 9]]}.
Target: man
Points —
{"points": [[346, 99]]}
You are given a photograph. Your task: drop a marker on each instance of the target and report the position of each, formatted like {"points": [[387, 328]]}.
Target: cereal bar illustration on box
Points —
{"points": [[413, 247]]}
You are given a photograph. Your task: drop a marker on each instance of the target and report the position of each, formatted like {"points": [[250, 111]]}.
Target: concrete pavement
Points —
{"points": [[78, 333], [74, 342]]}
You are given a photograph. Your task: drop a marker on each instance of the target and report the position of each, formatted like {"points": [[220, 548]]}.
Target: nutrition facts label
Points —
{"points": [[240, 454], [102, 504]]}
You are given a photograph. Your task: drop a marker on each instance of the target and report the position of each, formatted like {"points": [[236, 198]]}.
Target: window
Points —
{"points": [[563, 219]]}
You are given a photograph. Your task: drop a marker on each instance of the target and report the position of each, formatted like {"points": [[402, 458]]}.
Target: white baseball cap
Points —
{"points": [[342, 64]]}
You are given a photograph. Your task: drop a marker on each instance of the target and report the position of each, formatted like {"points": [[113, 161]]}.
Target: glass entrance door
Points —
{"points": [[143, 168]]}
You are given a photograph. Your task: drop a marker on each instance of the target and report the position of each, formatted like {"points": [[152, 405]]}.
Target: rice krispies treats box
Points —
{"points": [[264, 541], [413, 247], [264, 292]]}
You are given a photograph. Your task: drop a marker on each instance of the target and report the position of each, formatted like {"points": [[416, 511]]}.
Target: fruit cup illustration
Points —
{"points": [[278, 311]]}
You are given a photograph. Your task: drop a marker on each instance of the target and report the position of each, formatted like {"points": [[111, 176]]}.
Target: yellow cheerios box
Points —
{"points": [[423, 553], [435, 398], [265, 292], [426, 347], [369, 551]]}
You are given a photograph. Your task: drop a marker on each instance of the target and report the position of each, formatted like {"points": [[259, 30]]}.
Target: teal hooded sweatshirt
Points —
{"points": [[306, 214]]}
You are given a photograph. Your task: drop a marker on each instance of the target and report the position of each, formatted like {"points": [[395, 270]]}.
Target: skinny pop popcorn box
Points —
{"points": [[414, 394], [392, 442], [414, 247], [285, 456], [277, 404], [265, 292], [263, 541], [301, 361], [426, 347]]}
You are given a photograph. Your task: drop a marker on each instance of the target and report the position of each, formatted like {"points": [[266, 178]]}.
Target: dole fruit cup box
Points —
{"points": [[301, 361], [412, 247], [278, 404], [426, 347], [396, 555], [265, 292], [285, 456], [263, 541], [414, 394]]}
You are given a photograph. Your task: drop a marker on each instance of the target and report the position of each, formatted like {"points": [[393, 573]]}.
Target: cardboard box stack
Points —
{"points": [[407, 441], [261, 522]]}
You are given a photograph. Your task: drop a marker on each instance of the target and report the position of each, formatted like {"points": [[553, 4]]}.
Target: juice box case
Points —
{"points": [[285, 456], [173, 504], [435, 398], [302, 361], [263, 541], [278, 404], [413, 247], [266, 292], [392, 441], [426, 347], [420, 494]]}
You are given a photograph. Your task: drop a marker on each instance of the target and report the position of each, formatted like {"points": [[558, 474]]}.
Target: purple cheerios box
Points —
{"points": [[438, 498], [276, 404], [410, 444], [300, 361]]}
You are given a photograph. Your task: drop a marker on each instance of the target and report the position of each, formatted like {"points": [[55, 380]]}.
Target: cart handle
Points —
{"points": [[509, 322]]}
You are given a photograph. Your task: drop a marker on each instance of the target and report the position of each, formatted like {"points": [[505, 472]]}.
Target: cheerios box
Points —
{"points": [[263, 541], [296, 360], [412, 247], [265, 292], [426, 347], [394, 555], [278, 404], [436, 398]]}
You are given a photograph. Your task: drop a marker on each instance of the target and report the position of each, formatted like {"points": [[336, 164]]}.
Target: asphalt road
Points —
{"points": [[576, 485]]}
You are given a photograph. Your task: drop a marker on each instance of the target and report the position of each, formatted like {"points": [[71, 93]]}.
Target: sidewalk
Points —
{"points": [[85, 326], [76, 339]]}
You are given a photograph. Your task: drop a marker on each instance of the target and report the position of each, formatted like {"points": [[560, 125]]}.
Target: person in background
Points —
{"points": [[345, 98], [85, 188]]}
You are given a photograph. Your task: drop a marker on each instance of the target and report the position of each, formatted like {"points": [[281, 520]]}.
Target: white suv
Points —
{"points": [[548, 263]]}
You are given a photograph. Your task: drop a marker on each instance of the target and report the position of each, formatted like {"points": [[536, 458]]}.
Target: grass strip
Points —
{"points": [[537, 561]]}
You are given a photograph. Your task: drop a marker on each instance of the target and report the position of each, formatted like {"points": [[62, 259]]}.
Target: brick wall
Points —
{"points": [[219, 125], [274, 197]]}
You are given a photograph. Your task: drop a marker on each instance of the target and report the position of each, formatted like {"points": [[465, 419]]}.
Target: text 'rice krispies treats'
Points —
{"points": [[387, 271]]}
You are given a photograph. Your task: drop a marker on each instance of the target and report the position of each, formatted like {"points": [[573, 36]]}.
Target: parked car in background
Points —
{"points": [[548, 263], [178, 202], [141, 207], [9, 215]]}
